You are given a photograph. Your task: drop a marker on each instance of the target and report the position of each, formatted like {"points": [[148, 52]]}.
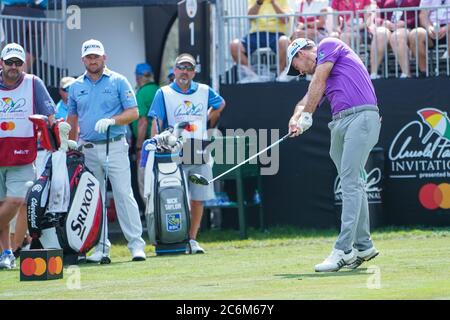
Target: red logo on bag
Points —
{"points": [[7, 126]]}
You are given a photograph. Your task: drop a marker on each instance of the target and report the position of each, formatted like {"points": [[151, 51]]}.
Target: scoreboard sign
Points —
{"points": [[194, 35]]}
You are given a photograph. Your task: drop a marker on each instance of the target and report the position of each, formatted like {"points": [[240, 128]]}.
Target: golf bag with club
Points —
{"points": [[64, 205], [167, 206]]}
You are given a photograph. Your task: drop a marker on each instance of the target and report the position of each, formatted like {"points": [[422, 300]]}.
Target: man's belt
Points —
{"points": [[353, 110], [119, 137]]}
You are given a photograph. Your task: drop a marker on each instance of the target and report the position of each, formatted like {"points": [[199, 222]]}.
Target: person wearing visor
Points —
{"points": [[61, 107], [196, 103], [21, 95], [101, 99], [339, 74], [170, 76]]}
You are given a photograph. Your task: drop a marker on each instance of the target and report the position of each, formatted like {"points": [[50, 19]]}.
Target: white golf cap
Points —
{"points": [[66, 82], [92, 47], [13, 50], [292, 50]]}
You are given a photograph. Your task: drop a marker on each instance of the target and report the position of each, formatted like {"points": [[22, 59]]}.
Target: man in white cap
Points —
{"points": [[100, 99], [21, 95], [339, 74], [196, 103]]}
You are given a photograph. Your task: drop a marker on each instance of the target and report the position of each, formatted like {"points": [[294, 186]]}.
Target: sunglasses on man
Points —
{"points": [[187, 68], [10, 62]]}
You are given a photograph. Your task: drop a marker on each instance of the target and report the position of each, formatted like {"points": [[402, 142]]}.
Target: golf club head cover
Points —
{"points": [[63, 133], [148, 146], [41, 125]]}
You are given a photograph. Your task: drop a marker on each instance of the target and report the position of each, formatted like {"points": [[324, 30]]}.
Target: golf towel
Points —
{"points": [[59, 186]]}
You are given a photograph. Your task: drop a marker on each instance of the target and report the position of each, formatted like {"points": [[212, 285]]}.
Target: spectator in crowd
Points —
{"points": [[61, 106], [313, 25], [435, 25], [28, 35], [349, 29], [165, 111], [141, 129], [393, 28], [29, 95], [264, 32], [100, 99], [170, 76]]}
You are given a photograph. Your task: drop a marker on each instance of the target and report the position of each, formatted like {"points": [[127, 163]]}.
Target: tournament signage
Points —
{"points": [[421, 148], [420, 152], [194, 35], [418, 165]]}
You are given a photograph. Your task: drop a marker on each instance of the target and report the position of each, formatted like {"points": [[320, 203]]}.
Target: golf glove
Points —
{"points": [[304, 122], [102, 125], [72, 144]]}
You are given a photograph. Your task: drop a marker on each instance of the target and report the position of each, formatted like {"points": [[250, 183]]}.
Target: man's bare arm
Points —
{"points": [[72, 119], [302, 117]]}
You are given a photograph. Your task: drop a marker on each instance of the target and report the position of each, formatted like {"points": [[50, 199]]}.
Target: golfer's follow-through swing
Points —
{"points": [[339, 74], [199, 179]]}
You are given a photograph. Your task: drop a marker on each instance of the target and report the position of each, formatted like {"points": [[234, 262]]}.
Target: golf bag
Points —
{"points": [[167, 206], [64, 205]]}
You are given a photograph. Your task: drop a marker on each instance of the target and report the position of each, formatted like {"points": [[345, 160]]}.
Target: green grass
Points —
{"points": [[279, 264]]}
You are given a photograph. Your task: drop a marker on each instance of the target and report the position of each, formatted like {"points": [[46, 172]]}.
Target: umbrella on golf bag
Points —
{"points": [[64, 205]]}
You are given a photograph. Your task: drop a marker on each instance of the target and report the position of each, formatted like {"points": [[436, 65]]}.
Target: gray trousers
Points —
{"points": [[352, 139], [120, 177]]}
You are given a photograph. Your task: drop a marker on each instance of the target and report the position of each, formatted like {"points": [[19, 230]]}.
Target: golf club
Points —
{"points": [[199, 179], [105, 259]]}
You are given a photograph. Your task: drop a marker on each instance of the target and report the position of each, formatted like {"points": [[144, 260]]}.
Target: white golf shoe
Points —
{"points": [[193, 247], [97, 255], [362, 256], [335, 261], [138, 255]]}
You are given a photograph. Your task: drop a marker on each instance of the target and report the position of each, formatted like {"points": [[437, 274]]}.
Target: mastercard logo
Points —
{"points": [[38, 266], [433, 196], [7, 126]]}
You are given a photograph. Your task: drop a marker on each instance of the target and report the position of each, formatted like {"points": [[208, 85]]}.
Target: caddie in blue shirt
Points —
{"points": [[185, 100], [98, 99]]}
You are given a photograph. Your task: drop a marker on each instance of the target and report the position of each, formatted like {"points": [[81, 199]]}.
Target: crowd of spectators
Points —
{"points": [[390, 32]]}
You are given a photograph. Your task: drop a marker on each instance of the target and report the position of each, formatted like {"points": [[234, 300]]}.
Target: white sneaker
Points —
{"points": [[335, 261], [404, 76], [374, 76], [193, 247], [97, 255], [138, 255], [362, 256], [7, 261]]}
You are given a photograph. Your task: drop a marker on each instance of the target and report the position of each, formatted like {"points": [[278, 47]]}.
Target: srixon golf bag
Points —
{"points": [[76, 223], [167, 206]]}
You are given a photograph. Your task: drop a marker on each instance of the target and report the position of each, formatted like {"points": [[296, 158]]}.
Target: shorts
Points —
{"points": [[443, 40], [13, 181], [199, 192], [29, 34], [258, 40]]}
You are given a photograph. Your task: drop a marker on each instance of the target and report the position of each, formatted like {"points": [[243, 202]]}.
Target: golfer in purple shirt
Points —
{"points": [[339, 74]]}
